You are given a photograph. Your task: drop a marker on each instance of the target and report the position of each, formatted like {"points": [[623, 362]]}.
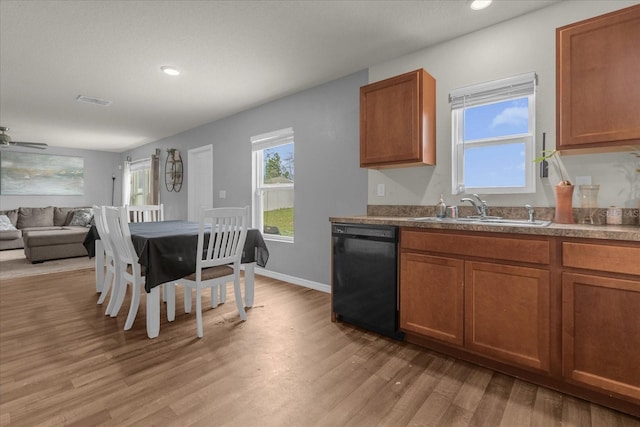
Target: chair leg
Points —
{"points": [[199, 311], [187, 299], [133, 308], [170, 289], [117, 295], [164, 292], [106, 285], [223, 293], [214, 295], [238, 295]]}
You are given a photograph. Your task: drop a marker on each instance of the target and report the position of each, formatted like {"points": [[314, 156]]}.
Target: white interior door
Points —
{"points": [[200, 184]]}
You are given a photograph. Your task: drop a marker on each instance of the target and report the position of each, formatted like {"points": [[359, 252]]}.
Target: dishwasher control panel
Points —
{"points": [[365, 230]]}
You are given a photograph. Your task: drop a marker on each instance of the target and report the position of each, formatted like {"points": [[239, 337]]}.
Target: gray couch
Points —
{"points": [[47, 233]]}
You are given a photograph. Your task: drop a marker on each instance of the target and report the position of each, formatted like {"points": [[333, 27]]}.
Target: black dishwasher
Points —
{"points": [[365, 279]]}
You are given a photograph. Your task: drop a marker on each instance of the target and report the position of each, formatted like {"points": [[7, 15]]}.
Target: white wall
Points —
{"points": [[521, 45]]}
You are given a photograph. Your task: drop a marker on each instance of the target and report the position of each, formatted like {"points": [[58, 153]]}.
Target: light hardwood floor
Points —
{"points": [[62, 362]]}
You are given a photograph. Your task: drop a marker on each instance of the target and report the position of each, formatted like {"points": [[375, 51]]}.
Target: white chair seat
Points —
{"points": [[212, 273]]}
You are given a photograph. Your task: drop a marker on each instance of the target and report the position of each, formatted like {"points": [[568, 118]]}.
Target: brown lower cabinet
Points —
{"points": [[563, 313], [601, 332], [513, 301], [433, 307]]}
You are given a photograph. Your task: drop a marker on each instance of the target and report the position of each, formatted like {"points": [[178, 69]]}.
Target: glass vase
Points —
{"points": [[589, 204]]}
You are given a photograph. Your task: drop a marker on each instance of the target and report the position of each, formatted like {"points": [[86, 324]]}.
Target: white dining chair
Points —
{"points": [[126, 260], [111, 278], [219, 262], [145, 213]]}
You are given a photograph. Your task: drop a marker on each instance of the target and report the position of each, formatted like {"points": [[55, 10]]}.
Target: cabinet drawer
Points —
{"points": [[614, 259], [515, 248]]}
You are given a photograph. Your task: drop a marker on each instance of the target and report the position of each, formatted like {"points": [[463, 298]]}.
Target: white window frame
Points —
{"points": [[516, 87], [258, 144], [135, 166]]}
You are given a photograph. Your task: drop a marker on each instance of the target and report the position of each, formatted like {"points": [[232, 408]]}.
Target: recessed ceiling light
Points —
{"points": [[171, 71], [480, 4]]}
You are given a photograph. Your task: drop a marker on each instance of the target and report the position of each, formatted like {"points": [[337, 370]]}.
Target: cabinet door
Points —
{"points": [[598, 95], [431, 296], [397, 121], [507, 313], [601, 332]]}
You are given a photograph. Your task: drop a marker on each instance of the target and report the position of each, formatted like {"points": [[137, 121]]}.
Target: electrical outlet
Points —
{"points": [[223, 194], [380, 190]]}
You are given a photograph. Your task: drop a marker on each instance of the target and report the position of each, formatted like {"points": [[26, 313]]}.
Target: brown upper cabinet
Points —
{"points": [[398, 121], [598, 82]]}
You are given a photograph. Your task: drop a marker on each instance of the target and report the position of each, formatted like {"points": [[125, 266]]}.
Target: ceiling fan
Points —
{"points": [[5, 141]]}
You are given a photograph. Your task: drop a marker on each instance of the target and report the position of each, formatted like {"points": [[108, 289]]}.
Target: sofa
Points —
{"points": [[45, 233]]}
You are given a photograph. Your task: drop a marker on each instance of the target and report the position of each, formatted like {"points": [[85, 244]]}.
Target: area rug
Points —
{"points": [[13, 264]]}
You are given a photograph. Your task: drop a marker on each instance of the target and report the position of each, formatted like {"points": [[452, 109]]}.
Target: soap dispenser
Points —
{"points": [[441, 208]]}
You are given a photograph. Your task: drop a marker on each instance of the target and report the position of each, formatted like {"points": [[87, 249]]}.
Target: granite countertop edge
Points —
{"points": [[605, 232]]}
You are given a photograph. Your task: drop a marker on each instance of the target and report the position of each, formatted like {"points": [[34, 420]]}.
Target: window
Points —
{"points": [[493, 128], [140, 182], [273, 177]]}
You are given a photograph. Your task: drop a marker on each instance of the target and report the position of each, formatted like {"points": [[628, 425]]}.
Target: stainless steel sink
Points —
{"points": [[485, 221]]}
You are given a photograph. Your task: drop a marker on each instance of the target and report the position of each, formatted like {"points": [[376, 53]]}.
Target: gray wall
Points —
{"points": [[517, 46], [328, 183], [99, 167]]}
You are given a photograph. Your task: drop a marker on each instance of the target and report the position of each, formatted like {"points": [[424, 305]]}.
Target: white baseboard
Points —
{"points": [[294, 280]]}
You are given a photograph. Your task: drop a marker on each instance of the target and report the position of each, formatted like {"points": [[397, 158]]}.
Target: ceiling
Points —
{"points": [[233, 55]]}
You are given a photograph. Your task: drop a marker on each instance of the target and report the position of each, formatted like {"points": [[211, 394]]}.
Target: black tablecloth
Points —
{"points": [[167, 249]]}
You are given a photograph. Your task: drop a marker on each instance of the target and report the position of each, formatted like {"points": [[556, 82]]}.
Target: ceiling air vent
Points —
{"points": [[95, 101]]}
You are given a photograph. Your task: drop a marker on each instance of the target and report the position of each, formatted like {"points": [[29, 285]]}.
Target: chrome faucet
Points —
{"points": [[480, 209], [531, 212]]}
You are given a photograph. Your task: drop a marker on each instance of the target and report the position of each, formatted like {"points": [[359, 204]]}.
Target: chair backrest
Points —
{"points": [[103, 230], [228, 233], [116, 219], [145, 213]]}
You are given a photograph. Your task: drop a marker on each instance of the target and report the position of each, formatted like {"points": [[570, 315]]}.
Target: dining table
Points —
{"points": [[167, 250]]}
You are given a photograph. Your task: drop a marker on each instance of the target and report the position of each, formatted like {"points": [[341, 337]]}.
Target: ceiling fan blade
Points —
{"points": [[5, 141], [38, 145]]}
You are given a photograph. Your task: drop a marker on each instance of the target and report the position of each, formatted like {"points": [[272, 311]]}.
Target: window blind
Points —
{"points": [[140, 164], [493, 91], [272, 139]]}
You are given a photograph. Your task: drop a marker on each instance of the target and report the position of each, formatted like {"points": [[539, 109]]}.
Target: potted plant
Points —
{"points": [[563, 190]]}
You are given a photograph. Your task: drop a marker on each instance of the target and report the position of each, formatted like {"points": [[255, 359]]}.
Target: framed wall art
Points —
{"points": [[40, 174]]}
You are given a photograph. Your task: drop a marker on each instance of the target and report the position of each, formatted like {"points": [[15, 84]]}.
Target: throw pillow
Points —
{"points": [[62, 216], [13, 216], [81, 217], [5, 224], [35, 217]]}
